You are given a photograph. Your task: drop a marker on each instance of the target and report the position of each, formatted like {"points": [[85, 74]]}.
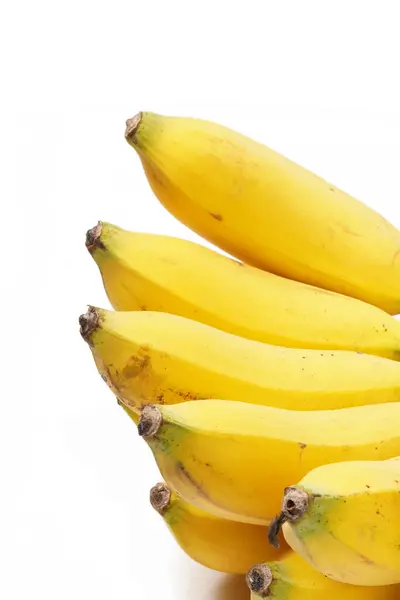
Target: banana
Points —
{"points": [[158, 358], [219, 544], [266, 210], [291, 578], [233, 459], [344, 519], [154, 272]]}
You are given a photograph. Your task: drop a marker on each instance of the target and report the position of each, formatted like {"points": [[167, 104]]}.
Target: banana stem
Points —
{"points": [[132, 127], [89, 323], [294, 506], [93, 236], [160, 496], [150, 421], [259, 579]]}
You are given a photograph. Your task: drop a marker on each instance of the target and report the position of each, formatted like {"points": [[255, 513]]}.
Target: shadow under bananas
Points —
{"points": [[231, 587]]}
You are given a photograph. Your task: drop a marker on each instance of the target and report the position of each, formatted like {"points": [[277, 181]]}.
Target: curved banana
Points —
{"points": [[233, 459], [266, 210], [154, 272], [291, 578], [344, 519], [158, 358], [219, 544]]}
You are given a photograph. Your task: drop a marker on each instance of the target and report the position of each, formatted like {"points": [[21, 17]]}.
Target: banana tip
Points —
{"points": [[295, 503], [132, 127], [93, 238], [160, 496], [150, 421], [259, 579], [88, 323]]}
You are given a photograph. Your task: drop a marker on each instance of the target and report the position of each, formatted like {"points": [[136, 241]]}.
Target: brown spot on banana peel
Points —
{"points": [[160, 496], [160, 399], [89, 322], [132, 125], [294, 505], [139, 384], [216, 216], [93, 238], [135, 365], [187, 395], [259, 579]]}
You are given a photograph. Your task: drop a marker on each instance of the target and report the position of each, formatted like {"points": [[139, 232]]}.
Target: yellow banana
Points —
{"points": [[344, 519], [216, 543], [291, 578], [154, 272], [266, 210], [158, 358], [233, 459]]}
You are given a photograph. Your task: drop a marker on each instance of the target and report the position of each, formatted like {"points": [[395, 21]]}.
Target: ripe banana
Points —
{"points": [[216, 543], [266, 210], [154, 272], [233, 459], [291, 578], [158, 358], [344, 519]]}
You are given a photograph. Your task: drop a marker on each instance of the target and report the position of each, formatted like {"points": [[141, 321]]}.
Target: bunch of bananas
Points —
{"points": [[267, 385]]}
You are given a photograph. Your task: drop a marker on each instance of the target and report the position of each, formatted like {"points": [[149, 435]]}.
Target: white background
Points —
{"points": [[317, 81]]}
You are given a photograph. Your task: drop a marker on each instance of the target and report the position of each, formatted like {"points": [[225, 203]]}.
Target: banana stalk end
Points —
{"points": [[160, 496], [150, 421], [89, 322], [93, 238], [132, 127], [295, 503], [259, 579]]}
